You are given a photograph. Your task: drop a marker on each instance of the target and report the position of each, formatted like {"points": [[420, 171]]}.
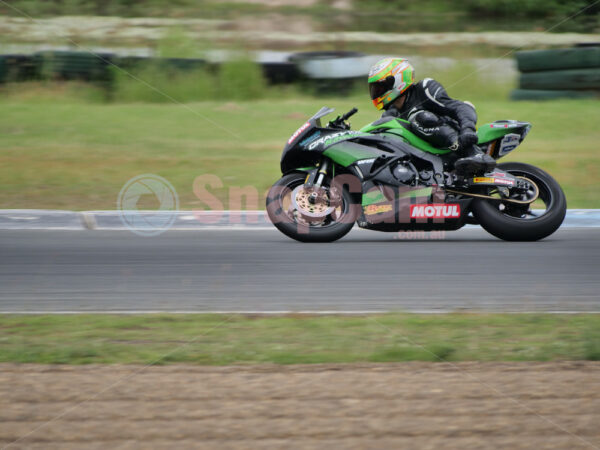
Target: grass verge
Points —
{"points": [[236, 339]]}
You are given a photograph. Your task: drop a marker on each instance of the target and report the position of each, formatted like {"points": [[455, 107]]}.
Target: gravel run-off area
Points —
{"points": [[411, 405]]}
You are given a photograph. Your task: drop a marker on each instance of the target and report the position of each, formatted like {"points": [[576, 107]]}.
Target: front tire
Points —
{"points": [[519, 223], [286, 219]]}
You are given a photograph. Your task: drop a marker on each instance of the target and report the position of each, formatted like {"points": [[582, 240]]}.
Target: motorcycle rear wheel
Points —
{"points": [[512, 222], [290, 221]]}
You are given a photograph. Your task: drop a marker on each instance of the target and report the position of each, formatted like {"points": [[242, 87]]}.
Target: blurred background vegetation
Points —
{"points": [[375, 15]]}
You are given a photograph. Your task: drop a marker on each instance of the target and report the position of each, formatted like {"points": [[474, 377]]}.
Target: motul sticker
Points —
{"points": [[504, 181], [298, 132], [435, 211]]}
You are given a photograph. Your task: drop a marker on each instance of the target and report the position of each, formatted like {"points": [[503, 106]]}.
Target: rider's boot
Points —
{"points": [[474, 162]]}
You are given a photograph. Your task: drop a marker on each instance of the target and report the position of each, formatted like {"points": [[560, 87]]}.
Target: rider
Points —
{"points": [[433, 115]]}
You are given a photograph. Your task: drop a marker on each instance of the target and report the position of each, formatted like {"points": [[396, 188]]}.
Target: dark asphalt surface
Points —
{"points": [[265, 271]]}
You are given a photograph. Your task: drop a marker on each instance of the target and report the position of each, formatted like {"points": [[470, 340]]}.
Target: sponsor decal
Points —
{"points": [[512, 137], [435, 211], [309, 139], [333, 138], [298, 132], [508, 143], [376, 209], [510, 124], [490, 180], [365, 161], [504, 181]]}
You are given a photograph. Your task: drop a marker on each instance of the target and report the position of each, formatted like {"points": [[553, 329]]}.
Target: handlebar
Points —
{"points": [[349, 114], [340, 121]]}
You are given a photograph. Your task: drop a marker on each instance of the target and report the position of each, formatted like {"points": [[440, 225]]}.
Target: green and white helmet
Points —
{"points": [[389, 78]]}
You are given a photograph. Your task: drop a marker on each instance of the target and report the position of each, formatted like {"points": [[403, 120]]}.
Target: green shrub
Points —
{"points": [[464, 81], [176, 43], [591, 346], [241, 79], [157, 84]]}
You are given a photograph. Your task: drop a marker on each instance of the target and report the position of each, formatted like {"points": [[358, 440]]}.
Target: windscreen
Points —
{"points": [[322, 112]]}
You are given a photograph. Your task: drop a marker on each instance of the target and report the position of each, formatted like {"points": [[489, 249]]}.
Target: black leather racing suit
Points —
{"points": [[434, 116]]}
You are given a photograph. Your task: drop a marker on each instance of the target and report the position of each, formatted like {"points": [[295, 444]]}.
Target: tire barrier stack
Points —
{"points": [[18, 68], [74, 65], [97, 68], [334, 72], [170, 64], [326, 72], [56, 65], [560, 73]]}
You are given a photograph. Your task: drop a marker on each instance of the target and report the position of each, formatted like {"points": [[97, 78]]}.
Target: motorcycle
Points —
{"points": [[385, 178]]}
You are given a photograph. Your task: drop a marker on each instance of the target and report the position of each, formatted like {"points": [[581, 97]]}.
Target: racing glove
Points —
{"points": [[467, 138]]}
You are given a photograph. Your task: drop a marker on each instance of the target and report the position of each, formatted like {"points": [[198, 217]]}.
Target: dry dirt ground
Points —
{"points": [[387, 406]]}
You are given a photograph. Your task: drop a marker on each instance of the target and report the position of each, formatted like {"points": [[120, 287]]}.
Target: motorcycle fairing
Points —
{"points": [[494, 130], [394, 147], [347, 153], [400, 128], [502, 137], [394, 215]]}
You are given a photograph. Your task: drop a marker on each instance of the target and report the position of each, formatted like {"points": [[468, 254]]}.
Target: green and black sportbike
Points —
{"points": [[386, 178]]}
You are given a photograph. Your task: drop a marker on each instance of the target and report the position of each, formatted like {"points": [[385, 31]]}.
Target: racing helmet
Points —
{"points": [[389, 78]]}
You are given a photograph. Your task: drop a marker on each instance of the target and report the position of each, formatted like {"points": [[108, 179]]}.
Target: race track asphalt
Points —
{"points": [[260, 270]]}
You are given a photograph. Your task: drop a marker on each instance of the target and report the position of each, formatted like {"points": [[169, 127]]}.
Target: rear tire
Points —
{"points": [[302, 231], [508, 224]]}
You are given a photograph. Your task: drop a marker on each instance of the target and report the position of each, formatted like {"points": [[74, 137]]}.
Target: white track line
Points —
{"points": [[28, 219], [291, 312]]}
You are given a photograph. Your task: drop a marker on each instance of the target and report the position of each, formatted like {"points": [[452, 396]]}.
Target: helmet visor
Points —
{"points": [[379, 88]]}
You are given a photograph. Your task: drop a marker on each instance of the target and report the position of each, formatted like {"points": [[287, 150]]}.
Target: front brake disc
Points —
{"points": [[311, 204]]}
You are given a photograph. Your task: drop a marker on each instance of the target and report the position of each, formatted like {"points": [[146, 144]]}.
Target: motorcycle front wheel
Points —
{"points": [[524, 222], [310, 215]]}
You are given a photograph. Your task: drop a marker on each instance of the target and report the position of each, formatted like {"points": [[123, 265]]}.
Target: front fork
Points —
{"points": [[317, 175], [314, 181]]}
